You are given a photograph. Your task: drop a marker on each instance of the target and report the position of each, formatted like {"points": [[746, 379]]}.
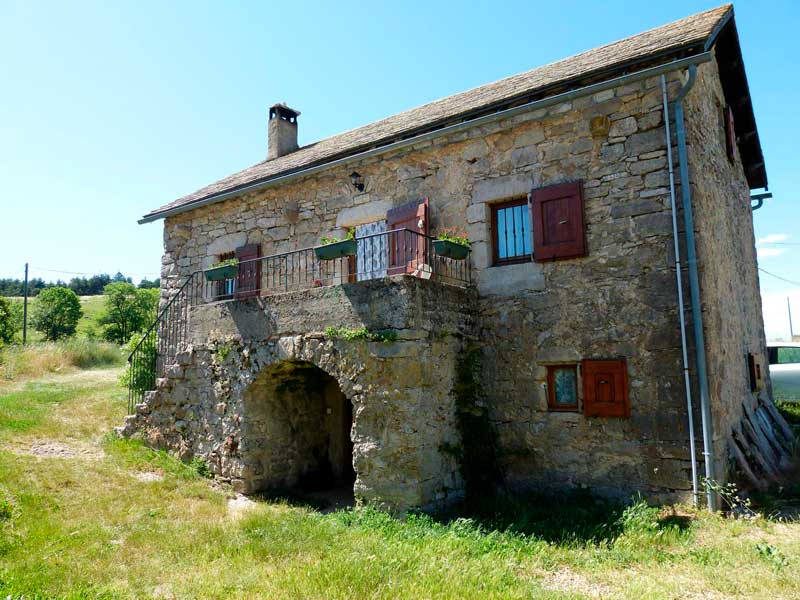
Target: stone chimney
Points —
{"points": [[282, 131]]}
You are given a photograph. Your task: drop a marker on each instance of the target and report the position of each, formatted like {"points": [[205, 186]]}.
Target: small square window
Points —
{"points": [[511, 232], [562, 387]]}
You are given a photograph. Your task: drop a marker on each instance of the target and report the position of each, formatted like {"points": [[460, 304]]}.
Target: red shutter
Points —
{"points": [[407, 251], [248, 282], [605, 388], [730, 134], [557, 222]]}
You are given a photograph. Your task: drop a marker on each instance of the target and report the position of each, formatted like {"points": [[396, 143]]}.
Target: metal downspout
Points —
{"points": [[681, 309], [694, 289]]}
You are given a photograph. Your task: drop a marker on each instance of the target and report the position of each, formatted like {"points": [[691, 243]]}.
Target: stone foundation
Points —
{"points": [[251, 398]]}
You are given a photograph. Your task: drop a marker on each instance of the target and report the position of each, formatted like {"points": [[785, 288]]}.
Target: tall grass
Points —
{"points": [[52, 357]]}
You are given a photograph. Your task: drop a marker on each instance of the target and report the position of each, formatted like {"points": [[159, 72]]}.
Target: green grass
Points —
{"points": [[92, 306], [88, 527], [34, 359]]}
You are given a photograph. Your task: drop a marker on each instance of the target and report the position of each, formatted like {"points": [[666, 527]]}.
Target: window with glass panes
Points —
{"points": [[511, 232]]}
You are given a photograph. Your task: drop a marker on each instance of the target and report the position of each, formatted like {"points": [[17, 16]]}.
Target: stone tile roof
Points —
{"points": [[659, 43]]}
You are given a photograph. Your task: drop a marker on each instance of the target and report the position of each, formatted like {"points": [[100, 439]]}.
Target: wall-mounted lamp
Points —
{"points": [[357, 180]]}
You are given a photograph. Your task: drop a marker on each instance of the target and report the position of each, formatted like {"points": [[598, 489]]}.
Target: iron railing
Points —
{"points": [[401, 251], [159, 345]]}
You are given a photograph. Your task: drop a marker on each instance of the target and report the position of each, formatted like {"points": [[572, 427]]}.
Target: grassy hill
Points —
{"points": [[92, 307]]}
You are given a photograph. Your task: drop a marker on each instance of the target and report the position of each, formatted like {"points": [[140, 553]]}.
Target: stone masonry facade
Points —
{"points": [[619, 300]]}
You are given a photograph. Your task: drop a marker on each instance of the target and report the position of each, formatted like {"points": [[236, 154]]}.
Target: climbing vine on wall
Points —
{"points": [[478, 453]]}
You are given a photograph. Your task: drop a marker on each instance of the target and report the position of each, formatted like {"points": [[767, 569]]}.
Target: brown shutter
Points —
{"points": [[248, 282], [406, 250], [605, 389], [730, 134], [557, 222]]}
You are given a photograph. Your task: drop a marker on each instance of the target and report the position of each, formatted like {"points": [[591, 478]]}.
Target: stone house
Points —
{"points": [[562, 351]]}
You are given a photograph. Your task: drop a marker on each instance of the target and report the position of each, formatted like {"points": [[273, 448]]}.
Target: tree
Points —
{"points": [[7, 325], [148, 284], [127, 310], [56, 313]]}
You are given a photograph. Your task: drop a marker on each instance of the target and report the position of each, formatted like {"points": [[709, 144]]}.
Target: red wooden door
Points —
{"points": [[407, 250], [248, 282]]}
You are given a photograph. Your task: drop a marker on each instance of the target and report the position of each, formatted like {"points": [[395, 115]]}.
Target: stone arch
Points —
{"points": [[297, 418]]}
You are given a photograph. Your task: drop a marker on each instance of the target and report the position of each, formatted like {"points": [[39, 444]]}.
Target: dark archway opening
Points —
{"points": [[297, 429]]}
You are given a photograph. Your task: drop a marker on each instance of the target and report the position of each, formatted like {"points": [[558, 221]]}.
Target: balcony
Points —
{"points": [[398, 252], [355, 284]]}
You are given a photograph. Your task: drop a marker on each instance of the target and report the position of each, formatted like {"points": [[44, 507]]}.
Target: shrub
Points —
{"points": [[56, 313], [7, 327], [141, 377], [127, 310]]}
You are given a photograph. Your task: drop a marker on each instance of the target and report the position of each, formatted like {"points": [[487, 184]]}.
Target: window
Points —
{"points": [[605, 388], [552, 226], [226, 287], [562, 387], [511, 232]]}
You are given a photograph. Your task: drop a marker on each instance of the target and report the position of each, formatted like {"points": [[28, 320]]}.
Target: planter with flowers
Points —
{"points": [[451, 245], [227, 269], [333, 248]]}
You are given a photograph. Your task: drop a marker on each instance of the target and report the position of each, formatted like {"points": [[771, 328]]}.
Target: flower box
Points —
{"points": [[222, 272], [336, 250], [450, 249]]}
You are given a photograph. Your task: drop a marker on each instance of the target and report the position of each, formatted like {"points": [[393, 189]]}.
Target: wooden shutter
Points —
{"points": [[407, 252], [248, 282], [605, 389], [557, 222], [730, 134]]}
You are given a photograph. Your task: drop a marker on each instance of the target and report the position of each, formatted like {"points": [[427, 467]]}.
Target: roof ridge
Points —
{"points": [[661, 41]]}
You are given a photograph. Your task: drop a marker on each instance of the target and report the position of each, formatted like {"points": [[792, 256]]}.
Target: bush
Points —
{"points": [[50, 357], [7, 327], [141, 377], [56, 313], [127, 310]]}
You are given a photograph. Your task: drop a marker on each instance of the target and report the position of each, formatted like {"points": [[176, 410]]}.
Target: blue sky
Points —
{"points": [[110, 109]]}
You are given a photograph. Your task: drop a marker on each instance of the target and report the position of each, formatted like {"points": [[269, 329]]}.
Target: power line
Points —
{"points": [[81, 272], [779, 277]]}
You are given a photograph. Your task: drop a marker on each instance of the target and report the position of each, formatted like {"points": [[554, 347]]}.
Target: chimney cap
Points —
{"points": [[282, 110]]}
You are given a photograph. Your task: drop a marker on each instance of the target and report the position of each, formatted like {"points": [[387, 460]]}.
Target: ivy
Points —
{"points": [[477, 453], [362, 333]]}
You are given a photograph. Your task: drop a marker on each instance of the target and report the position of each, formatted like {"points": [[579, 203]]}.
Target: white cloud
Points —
{"points": [[772, 238], [767, 252]]}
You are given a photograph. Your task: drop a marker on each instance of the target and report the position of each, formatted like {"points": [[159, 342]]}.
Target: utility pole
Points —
{"points": [[25, 308], [791, 329]]}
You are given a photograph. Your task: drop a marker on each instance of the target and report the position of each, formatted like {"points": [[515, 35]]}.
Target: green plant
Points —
{"points": [[772, 555], [362, 333], [729, 494], [451, 236], [142, 378], [327, 239], [127, 309], [225, 263], [7, 325], [200, 466], [478, 454], [56, 313]]}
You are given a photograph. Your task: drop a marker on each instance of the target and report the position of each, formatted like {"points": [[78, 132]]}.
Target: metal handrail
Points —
{"points": [[396, 251]]}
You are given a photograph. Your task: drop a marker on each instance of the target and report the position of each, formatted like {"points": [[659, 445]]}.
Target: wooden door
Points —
{"points": [[248, 282], [408, 251]]}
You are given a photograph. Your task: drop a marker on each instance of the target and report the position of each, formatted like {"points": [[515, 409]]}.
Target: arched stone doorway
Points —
{"points": [[296, 430]]}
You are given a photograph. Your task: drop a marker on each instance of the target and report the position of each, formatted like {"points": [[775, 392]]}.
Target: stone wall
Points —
{"points": [[618, 301], [235, 397], [726, 253]]}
